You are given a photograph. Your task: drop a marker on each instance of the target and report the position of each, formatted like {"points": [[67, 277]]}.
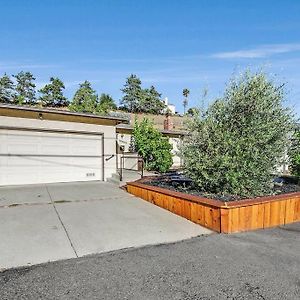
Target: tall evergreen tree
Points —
{"points": [[25, 88], [133, 94], [6, 89], [106, 103], [136, 99], [85, 99], [52, 94], [151, 101]]}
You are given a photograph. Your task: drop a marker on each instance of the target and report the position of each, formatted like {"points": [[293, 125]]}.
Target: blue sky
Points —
{"points": [[169, 44]]}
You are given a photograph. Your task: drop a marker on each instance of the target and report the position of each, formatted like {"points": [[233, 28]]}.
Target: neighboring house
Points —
{"points": [[171, 108], [48, 145]]}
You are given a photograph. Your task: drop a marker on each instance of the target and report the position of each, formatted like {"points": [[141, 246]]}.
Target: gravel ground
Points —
{"points": [[264, 264]]}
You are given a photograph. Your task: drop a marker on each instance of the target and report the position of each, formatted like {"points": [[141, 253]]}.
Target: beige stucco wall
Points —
{"points": [[108, 131]]}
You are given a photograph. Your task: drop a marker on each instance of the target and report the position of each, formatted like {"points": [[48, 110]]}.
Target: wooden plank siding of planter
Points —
{"points": [[223, 217]]}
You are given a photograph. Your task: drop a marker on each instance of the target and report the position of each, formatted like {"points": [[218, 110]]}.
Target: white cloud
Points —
{"points": [[24, 66], [259, 52]]}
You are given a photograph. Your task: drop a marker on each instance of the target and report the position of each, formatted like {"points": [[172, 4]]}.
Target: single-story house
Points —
{"points": [[43, 145], [40, 145]]}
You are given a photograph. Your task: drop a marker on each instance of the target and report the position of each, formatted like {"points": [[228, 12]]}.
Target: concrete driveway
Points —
{"points": [[41, 223]]}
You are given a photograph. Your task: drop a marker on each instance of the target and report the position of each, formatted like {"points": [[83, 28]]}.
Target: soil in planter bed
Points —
{"points": [[187, 187]]}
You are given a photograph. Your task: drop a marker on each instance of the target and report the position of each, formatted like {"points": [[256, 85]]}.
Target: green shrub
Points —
{"points": [[152, 146], [234, 147], [294, 154]]}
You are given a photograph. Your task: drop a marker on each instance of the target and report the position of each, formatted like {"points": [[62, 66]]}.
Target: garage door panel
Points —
{"points": [[16, 162], [84, 151], [22, 149], [42, 157], [47, 148], [12, 174], [85, 148], [20, 139]]}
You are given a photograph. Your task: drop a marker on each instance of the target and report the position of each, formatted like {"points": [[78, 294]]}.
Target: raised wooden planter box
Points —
{"points": [[225, 217]]}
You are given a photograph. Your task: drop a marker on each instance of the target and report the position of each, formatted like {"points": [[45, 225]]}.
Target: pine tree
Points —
{"points": [[151, 101], [85, 99], [106, 103], [133, 94], [25, 88], [6, 89], [52, 94], [136, 99]]}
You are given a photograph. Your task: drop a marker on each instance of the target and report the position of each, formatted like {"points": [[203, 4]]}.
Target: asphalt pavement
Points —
{"points": [[263, 264]]}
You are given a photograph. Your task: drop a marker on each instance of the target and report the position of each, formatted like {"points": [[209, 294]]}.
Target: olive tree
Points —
{"points": [[235, 146]]}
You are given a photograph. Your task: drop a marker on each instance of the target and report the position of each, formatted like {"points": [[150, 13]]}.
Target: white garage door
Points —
{"points": [[31, 156]]}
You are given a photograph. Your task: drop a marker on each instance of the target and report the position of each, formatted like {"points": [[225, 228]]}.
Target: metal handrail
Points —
{"points": [[122, 167]]}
